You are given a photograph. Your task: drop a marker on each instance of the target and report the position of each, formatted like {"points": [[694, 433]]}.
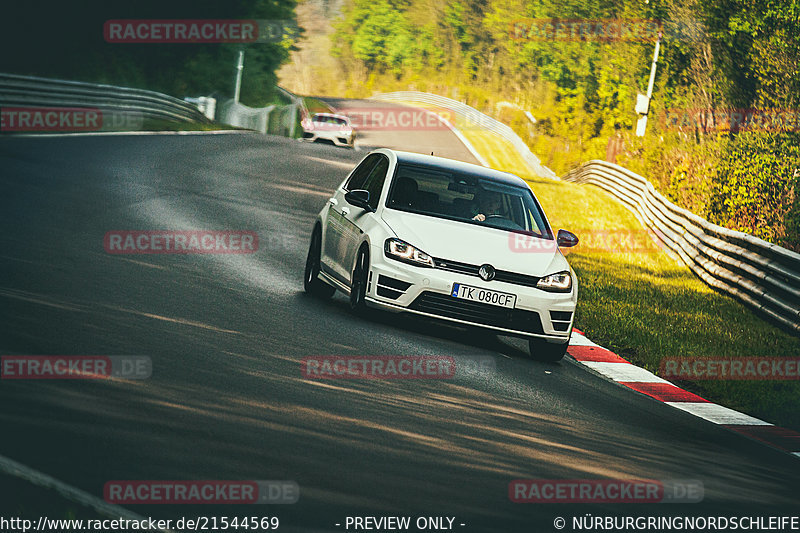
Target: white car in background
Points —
{"points": [[434, 237], [330, 127]]}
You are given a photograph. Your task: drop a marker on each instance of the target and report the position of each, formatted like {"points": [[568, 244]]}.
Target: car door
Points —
{"points": [[360, 219], [337, 224]]}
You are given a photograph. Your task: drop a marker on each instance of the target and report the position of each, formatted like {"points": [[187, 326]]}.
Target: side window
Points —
{"points": [[375, 180], [361, 173]]}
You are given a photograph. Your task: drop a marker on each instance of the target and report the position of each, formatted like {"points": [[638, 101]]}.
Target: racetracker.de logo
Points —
{"points": [[734, 120], [379, 367], [605, 30], [395, 118], [76, 366], [201, 492], [180, 242], [639, 241], [193, 31], [67, 119], [50, 119], [605, 491], [731, 368]]}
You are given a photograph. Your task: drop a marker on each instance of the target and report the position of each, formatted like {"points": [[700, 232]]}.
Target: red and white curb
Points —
{"points": [[614, 367]]}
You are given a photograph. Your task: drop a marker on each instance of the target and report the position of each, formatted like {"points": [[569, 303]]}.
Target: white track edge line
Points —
{"points": [[16, 469], [718, 414], [623, 372]]}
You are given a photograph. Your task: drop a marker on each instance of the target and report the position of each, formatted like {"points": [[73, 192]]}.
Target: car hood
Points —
{"points": [[476, 245], [317, 126]]}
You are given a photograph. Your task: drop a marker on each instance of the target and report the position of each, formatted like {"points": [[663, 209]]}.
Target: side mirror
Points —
{"points": [[359, 198], [566, 238]]}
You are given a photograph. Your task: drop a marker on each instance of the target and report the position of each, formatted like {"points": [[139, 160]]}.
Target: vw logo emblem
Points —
{"points": [[486, 272]]}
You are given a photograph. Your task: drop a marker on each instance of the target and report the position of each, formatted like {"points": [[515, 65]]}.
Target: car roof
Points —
{"points": [[442, 163]]}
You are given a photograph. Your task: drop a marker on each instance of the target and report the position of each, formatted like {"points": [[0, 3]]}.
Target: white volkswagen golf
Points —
{"points": [[448, 240]]}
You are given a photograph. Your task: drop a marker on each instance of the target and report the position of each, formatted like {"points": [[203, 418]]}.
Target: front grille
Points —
{"points": [[455, 266], [449, 307], [472, 270], [516, 279]]}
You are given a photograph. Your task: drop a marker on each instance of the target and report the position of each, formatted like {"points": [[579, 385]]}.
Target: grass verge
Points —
{"points": [[169, 125]]}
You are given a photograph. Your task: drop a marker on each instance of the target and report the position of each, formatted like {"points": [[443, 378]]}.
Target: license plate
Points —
{"points": [[486, 296]]}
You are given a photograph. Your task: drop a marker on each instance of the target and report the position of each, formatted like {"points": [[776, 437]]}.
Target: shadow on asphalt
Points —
{"points": [[429, 327]]}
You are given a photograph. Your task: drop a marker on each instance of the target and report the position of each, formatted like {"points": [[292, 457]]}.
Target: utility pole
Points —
{"points": [[643, 101], [239, 69]]}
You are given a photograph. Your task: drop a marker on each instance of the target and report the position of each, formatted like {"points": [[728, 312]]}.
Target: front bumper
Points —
{"points": [[400, 287], [337, 138]]}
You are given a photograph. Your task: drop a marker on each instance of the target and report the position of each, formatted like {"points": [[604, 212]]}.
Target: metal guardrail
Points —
{"points": [[273, 119], [760, 274], [242, 116], [30, 91], [473, 117], [287, 117]]}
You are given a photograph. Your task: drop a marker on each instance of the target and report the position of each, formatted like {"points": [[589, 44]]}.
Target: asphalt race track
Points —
{"points": [[440, 141], [226, 335]]}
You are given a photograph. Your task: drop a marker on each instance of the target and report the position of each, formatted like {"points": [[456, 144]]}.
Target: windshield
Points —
{"points": [[325, 119], [467, 198]]}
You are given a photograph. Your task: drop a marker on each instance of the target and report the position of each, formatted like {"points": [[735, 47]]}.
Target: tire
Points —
{"points": [[311, 282], [545, 351], [358, 288]]}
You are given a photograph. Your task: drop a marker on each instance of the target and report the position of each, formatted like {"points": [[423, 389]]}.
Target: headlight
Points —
{"points": [[560, 282], [402, 251]]}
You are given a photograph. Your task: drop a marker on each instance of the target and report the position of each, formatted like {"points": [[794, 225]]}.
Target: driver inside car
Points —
{"points": [[489, 204]]}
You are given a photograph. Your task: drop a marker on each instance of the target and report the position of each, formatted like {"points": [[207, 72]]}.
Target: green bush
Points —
{"points": [[754, 186]]}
